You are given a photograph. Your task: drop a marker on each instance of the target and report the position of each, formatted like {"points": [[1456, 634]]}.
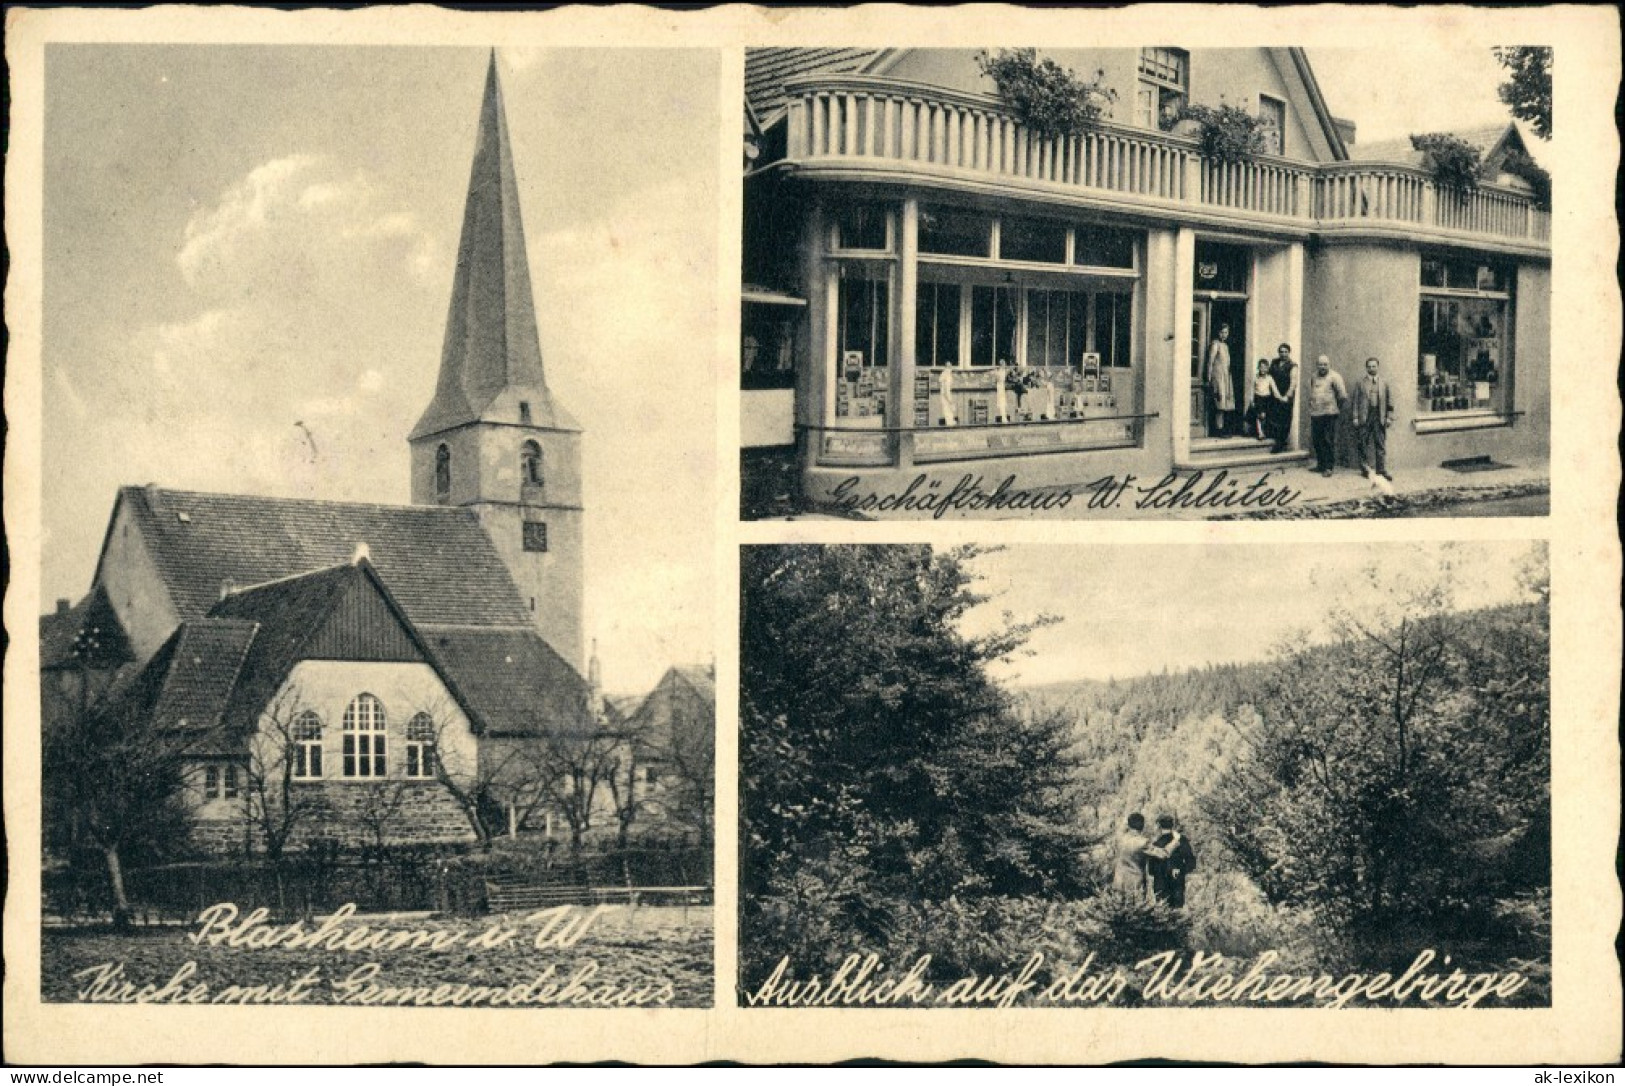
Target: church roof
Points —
{"points": [[188, 684], [217, 673], [492, 356], [437, 560], [512, 681]]}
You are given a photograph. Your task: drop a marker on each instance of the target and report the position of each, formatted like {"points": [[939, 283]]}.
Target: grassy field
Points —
{"points": [[649, 956]]}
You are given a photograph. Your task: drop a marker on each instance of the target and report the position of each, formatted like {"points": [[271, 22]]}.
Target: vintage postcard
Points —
{"points": [[618, 534]]}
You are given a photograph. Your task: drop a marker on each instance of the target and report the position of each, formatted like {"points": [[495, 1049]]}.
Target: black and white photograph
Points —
{"points": [[1164, 282], [358, 397], [683, 535], [1138, 776]]}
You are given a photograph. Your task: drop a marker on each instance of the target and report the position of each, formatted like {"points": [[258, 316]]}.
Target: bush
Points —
{"points": [[1127, 928], [1047, 98], [1229, 133], [1454, 161]]}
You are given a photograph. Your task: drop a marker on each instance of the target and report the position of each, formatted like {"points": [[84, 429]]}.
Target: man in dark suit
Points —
{"points": [[1171, 860], [1373, 411]]}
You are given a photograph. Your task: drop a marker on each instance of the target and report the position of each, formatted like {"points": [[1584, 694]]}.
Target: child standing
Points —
{"points": [[1263, 392]]}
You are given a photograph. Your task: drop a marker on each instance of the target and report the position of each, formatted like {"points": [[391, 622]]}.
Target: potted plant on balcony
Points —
{"points": [[1229, 134], [1047, 98], [1454, 162]]}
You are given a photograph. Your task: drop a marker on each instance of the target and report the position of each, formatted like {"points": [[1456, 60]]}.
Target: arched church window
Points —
{"points": [[364, 737], [530, 463], [420, 732], [305, 746], [442, 475]]}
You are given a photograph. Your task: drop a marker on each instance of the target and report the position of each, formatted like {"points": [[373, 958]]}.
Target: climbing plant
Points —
{"points": [[1455, 162], [1049, 99], [1229, 133]]}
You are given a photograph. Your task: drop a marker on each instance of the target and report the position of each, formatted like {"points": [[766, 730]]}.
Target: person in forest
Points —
{"points": [[1128, 875], [1169, 859]]}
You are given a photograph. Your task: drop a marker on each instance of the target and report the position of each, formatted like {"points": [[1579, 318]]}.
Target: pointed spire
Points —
{"points": [[492, 358]]}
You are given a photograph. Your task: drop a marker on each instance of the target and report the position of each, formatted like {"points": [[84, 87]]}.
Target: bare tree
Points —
{"points": [[636, 750], [285, 753], [578, 764], [114, 782]]}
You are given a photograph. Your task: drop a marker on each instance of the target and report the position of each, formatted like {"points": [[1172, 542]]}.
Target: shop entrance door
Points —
{"points": [[1208, 315]]}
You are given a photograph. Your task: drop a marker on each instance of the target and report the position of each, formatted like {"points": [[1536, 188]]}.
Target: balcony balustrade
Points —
{"points": [[864, 124]]}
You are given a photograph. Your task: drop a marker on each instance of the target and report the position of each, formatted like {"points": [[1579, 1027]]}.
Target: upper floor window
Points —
{"points": [[442, 474], [524, 412], [305, 746], [1272, 120], [949, 232], [365, 729], [861, 225], [530, 463], [1035, 240], [420, 734], [1164, 87]]}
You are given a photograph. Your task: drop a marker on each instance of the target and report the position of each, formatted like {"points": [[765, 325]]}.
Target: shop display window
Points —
{"points": [[1464, 350], [1103, 247], [993, 326], [936, 324]]}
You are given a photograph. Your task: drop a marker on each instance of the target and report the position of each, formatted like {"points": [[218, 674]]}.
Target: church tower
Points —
{"points": [[494, 439]]}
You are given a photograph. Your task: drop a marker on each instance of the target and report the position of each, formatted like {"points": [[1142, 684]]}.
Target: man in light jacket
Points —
{"points": [[1373, 412]]}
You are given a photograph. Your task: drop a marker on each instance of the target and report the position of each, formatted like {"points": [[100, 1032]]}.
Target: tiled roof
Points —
{"points": [[767, 69], [187, 685], [702, 679], [437, 561], [511, 680], [1400, 151]]}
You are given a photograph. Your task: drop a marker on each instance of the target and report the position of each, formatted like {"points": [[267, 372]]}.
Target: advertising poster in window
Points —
{"points": [[667, 537]]}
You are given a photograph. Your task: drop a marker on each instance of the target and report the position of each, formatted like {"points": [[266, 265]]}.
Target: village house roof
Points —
{"points": [[219, 672], [1494, 143], [88, 632], [492, 357], [437, 560]]}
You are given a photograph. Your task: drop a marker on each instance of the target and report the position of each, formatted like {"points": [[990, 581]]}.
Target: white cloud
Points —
{"points": [[298, 212]]}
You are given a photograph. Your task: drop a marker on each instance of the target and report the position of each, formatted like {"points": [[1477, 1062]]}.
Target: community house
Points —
{"points": [[933, 287], [384, 672]]}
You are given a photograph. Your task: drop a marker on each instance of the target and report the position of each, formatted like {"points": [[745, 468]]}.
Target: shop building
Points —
{"points": [[932, 289]]}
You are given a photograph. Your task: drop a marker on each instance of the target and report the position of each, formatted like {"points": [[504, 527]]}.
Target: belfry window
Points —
{"points": [[530, 464], [365, 729], [442, 475]]}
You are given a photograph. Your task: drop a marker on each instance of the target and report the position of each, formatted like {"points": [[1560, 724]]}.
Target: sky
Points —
{"points": [[1131, 610], [242, 238]]}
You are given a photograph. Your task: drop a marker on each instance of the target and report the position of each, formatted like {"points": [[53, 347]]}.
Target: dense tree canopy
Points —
{"points": [[1528, 90], [877, 756]]}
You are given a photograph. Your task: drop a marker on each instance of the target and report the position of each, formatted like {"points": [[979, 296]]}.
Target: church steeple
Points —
{"points": [[491, 362], [493, 440]]}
